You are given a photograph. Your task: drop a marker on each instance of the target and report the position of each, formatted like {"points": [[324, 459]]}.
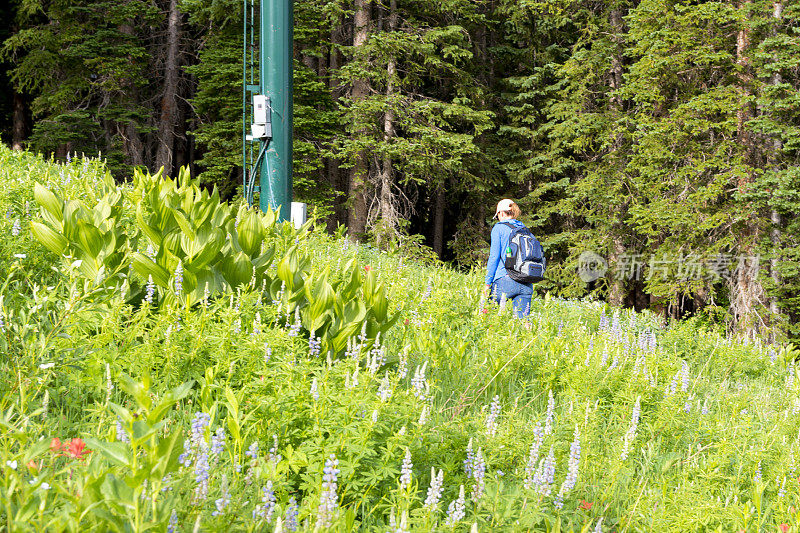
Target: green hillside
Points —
{"points": [[186, 365]]}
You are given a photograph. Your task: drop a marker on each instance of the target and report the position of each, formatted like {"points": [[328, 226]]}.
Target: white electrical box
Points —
{"points": [[259, 131], [260, 109], [299, 214]]}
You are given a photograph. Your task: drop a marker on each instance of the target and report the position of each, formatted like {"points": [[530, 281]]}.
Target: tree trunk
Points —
{"points": [[132, 145], [359, 174], [744, 112], [438, 221], [169, 104], [332, 169], [18, 128], [388, 214], [746, 288], [617, 292], [775, 217]]}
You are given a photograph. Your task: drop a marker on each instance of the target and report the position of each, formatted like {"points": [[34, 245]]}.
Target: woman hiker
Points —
{"points": [[498, 284]]}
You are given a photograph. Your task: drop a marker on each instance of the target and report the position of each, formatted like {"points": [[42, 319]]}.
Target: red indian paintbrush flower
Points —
{"points": [[76, 448], [55, 445]]}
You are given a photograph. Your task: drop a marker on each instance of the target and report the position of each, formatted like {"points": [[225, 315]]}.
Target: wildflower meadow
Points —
{"points": [[170, 362]]}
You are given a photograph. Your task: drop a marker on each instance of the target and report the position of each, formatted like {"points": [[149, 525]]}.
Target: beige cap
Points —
{"points": [[503, 205]]}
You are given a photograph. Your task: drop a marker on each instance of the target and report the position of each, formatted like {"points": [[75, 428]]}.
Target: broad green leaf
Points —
{"points": [[185, 225], [90, 239], [144, 266], [167, 454], [117, 452], [250, 233], [49, 238], [118, 491], [49, 201]]}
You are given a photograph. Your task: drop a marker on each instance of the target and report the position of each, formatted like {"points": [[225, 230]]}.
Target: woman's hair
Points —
{"points": [[514, 210]]}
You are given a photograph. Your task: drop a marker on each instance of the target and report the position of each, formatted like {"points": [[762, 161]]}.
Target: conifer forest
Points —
{"points": [[662, 135]]}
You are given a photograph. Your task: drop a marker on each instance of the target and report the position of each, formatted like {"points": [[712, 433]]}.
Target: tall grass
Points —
{"points": [[714, 447]]}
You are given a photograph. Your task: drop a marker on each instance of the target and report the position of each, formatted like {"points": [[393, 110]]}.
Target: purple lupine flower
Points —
{"points": [[423, 415], [16, 228], [427, 292], [456, 509], [172, 527], [616, 328], [290, 518], [603, 321], [314, 345], [782, 490], [2, 323], [572, 465], [218, 441], [256, 324], [470, 460], [252, 451], [630, 435], [201, 474], [314, 391], [405, 471], [419, 382], [122, 435], [273, 454], [435, 490], [328, 501], [402, 367], [199, 424], [267, 353], [684, 376], [533, 456], [150, 289], [545, 475], [757, 476], [267, 507], [225, 498], [178, 281], [491, 419], [166, 481], [185, 458], [385, 388], [294, 329], [548, 420], [599, 527], [478, 474]]}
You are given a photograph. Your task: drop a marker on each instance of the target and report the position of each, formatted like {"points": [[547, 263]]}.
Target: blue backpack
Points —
{"points": [[524, 257]]}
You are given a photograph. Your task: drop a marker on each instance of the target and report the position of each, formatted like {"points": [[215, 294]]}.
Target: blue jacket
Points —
{"points": [[495, 267]]}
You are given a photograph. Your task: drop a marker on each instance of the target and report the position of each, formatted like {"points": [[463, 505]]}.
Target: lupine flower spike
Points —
{"points": [[328, 501], [456, 509], [405, 470]]}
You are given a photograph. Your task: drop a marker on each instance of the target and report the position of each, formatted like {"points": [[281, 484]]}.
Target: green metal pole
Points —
{"points": [[276, 82]]}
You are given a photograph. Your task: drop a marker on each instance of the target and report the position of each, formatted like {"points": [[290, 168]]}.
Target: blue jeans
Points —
{"points": [[518, 293]]}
